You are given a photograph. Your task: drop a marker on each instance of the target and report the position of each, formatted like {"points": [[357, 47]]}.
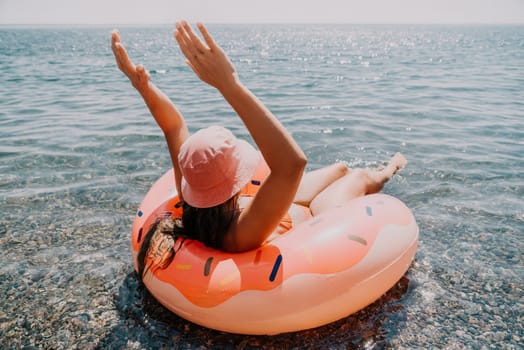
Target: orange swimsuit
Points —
{"points": [[292, 218]]}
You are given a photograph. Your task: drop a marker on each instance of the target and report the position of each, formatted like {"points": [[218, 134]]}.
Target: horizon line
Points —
{"points": [[267, 23]]}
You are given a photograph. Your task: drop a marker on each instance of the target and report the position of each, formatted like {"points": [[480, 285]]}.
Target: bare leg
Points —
{"points": [[316, 181], [356, 183]]}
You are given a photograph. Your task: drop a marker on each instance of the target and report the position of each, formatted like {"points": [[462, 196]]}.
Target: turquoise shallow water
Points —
{"points": [[78, 151]]}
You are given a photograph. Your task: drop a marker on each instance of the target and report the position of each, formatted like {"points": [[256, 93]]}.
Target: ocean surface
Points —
{"points": [[79, 150]]}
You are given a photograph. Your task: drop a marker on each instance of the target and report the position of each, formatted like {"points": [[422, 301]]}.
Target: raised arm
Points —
{"points": [[283, 156], [168, 118]]}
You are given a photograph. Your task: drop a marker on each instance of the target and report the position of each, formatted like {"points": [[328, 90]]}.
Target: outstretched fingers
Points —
{"points": [[207, 37], [115, 38], [137, 74], [194, 40], [121, 56], [210, 63], [190, 43], [115, 43], [183, 41]]}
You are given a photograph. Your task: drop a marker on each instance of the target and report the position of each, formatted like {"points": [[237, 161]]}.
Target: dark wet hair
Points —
{"points": [[207, 225], [210, 225]]}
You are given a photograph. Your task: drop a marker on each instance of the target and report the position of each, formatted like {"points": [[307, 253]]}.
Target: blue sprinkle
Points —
{"points": [[275, 268], [255, 182], [369, 211], [140, 213]]}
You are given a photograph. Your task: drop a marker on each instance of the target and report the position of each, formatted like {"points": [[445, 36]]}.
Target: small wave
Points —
{"points": [[158, 71]]}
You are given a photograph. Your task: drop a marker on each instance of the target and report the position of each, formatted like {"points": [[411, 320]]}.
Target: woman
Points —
{"points": [[212, 166]]}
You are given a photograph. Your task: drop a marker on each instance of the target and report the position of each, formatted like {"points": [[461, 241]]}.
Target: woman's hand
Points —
{"points": [[138, 76], [208, 60]]}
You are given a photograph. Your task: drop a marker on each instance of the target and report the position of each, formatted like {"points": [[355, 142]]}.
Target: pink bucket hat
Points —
{"points": [[215, 165]]}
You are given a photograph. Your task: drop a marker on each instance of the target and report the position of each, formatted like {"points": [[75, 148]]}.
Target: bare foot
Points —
{"points": [[138, 76], [380, 177], [397, 162]]}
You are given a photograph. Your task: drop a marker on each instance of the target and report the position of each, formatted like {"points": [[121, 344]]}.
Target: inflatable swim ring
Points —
{"points": [[322, 270]]}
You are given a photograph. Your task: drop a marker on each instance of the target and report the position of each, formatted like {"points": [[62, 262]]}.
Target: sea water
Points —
{"points": [[79, 150]]}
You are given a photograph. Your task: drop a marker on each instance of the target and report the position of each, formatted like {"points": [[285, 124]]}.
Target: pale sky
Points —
{"points": [[260, 11]]}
